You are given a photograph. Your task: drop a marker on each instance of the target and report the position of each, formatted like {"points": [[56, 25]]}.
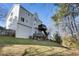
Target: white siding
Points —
{"points": [[11, 20], [23, 31], [23, 13], [25, 28]]}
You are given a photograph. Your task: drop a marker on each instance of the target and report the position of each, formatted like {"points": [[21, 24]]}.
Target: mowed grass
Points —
{"points": [[23, 47], [19, 46], [11, 40]]}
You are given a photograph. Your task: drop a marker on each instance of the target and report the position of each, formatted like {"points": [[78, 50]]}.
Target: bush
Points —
{"points": [[58, 38], [68, 42]]}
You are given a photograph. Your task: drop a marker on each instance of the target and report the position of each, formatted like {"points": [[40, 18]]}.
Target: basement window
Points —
{"points": [[22, 19]]}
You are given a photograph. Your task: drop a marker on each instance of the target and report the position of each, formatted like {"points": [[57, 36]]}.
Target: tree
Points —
{"points": [[66, 10], [63, 10]]}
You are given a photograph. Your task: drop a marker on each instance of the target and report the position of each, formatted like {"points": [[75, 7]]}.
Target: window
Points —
{"points": [[10, 19], [35, 19], [34, 23], [15, 17], [10, 24], [11, 14], [28, 14], [32, 15], [22, 19], [26, 21]]}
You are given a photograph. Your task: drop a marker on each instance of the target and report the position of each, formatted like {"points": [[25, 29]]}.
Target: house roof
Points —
{"points": [[36, 15], [24, 9]]}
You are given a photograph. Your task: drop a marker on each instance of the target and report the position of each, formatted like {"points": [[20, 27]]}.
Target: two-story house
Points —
{"points": [[22, 21]]}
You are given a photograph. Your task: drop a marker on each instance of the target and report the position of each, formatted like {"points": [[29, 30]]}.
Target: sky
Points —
{"points": [[44, 11]]}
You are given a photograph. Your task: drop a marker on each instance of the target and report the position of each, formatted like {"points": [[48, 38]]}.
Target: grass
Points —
{"points": [[14, 46], [12, 40], [19, 46]]}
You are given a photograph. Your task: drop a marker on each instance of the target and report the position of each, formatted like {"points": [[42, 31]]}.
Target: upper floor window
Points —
{"points": [[35, 19], [10, 25], [11, 14], [10, 19], [22, 19], [34, 23], [15, 17], [28, 14], [32, 15], [26, 21]]}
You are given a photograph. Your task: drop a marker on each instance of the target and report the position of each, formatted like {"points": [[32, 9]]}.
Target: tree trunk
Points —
{"points": [[70, 27], [75, 26], [74, 23]]}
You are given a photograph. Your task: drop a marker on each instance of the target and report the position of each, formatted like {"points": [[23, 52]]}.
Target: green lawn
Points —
{"points": [[11, 40], [19, 46]]}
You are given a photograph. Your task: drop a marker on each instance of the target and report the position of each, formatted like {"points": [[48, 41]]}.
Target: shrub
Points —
{"points": [[58, 38], [68, 42]]}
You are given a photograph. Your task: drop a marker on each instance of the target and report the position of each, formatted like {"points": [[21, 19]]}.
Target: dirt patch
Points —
{"points": [[34, 50]]}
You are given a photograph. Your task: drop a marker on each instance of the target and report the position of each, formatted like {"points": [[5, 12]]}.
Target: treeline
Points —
{"points": [[65, 15]]}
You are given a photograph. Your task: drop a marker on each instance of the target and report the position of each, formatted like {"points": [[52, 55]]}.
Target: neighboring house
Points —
{"points": [[22, 21]]}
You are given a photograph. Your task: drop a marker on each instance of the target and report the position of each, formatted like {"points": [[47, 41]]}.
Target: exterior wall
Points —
{"points": [[23, 31], [28, 18], [26, 28], [36, 22], [23, 28], [12, 17]]}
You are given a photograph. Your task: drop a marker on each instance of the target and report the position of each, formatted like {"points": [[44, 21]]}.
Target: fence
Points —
{"points": [[7, 32]]}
